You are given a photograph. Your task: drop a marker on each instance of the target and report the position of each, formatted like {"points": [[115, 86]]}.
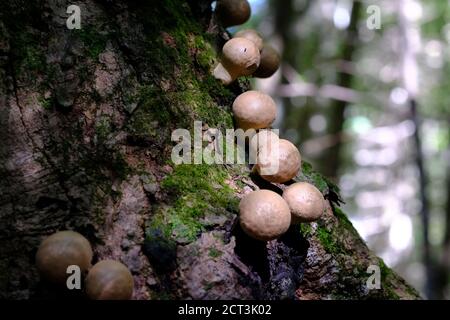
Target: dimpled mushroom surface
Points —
{"points": [[240, 57], [279, 163], [264, 215], [251, 35], [305, 201], [263, 139], [269, 62], [109, 280], [232, 12], [254, 110], [61, 250]]}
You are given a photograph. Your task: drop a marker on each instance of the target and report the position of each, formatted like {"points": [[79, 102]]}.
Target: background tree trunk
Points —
{"points": [[86, 118]]}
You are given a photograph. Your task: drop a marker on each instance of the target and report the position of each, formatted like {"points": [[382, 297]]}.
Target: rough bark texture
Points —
{"points": [[86, 119]]}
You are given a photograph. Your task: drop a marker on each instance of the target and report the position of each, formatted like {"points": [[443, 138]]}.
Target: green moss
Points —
{"points": [[93, 40], [206, 56], [33, 60], [327, 240], [208, 286], [386, 278], [162, 295], [345, 223], [28, 56], [214, 253], [305, 229], [103, 129], [196, 190], [313, 177], [180, 57], [47, 104]]}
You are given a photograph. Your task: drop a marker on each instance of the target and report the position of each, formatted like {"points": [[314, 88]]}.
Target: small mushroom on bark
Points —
{"points": [[279, 163], [61, 250], [305, 201], [264, 215], [269, 62], [240, 57], [109, 280], [254, 110], [251, 35], [232, 12]]}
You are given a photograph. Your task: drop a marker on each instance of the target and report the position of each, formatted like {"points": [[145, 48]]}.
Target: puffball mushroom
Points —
{"points": [[305, 201], [251, 35], [254, 110], [61, 250], [263, 139], [240, 57], [232, 12], [264, 215], [269, 62], [109, 280], [279, 163]]}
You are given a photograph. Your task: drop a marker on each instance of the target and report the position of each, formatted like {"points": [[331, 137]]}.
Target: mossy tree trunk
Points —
{"points": [[85, 120]]}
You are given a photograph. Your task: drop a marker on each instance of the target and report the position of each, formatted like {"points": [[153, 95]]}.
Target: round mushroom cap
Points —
{"points": [[240, 57], [264, 215], [263, 139], [279, 163], [254, 110], [109, 280], [61, 250], [232, 12], [305, 201], [269, 62], [251, 35]]}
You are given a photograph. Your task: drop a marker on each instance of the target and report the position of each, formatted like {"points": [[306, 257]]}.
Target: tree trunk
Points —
{"points": [[86, 118]]}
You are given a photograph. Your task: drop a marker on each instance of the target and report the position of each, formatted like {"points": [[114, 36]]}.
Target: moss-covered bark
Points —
{"points": [[86, 118]]}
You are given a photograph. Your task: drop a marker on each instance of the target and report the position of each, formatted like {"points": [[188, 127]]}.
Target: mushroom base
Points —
{"points": [[223, 74]]}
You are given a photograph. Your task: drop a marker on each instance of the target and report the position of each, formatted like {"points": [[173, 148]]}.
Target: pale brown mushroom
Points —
{"points": [[240, 57], [254, 110], [252, 35], [269, 62], [263, 139], [61, 250], [264, 215], [232, 12], [305, 201], [109, 280], [280, 163]]}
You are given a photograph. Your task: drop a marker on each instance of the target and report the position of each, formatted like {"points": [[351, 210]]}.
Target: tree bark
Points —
{"points": [[86, 118]]}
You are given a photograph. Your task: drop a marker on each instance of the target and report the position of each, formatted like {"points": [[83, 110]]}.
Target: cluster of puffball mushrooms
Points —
{"points": [[106, 280], [264, 214]]}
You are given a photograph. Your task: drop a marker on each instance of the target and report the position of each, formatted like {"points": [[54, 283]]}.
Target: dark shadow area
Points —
{"points": [[252, 252], [279, 263], [263, 184]]}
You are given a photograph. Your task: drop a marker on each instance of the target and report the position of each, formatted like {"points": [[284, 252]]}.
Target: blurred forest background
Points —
{"points": [[370, 108]]}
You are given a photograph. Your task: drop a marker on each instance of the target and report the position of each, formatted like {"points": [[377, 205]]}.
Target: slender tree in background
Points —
{"points": [[410, 71], [330, 158]]}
